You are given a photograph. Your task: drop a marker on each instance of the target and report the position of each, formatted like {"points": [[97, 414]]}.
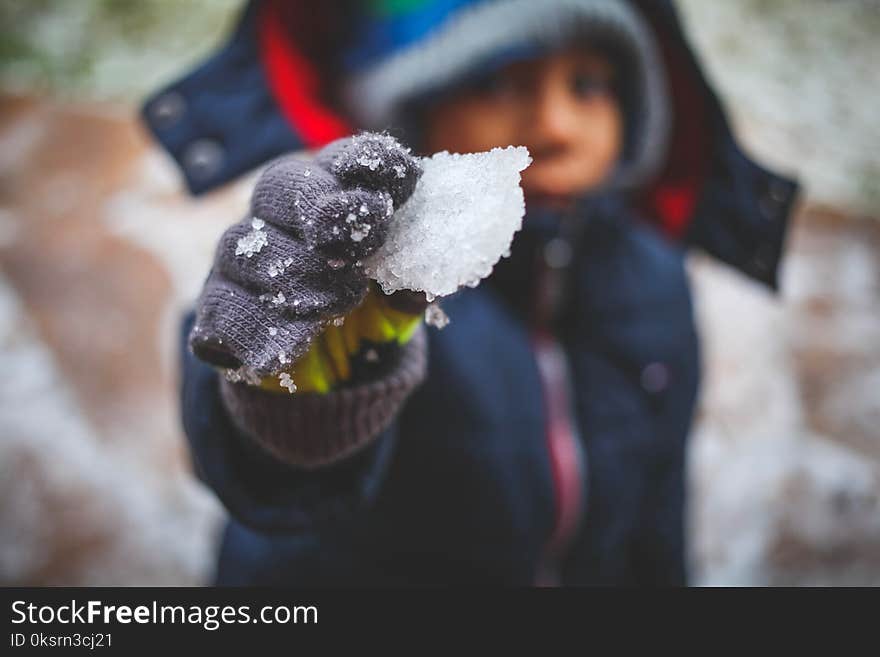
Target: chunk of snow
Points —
{"points": [[254, 241], [285, 381], [242, 374], [359, 232], [370, 160], [278, 267], [457, 224], [435, 316]]}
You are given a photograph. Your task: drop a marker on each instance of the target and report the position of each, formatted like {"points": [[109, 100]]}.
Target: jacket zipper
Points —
{"points": [[564, 446], [566, 455]]}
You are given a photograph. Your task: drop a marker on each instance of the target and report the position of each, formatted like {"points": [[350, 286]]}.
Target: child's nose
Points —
{"points": [[553, 119]]}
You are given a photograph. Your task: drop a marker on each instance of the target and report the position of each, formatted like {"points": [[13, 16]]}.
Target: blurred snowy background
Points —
{"points": [[100, 251]]}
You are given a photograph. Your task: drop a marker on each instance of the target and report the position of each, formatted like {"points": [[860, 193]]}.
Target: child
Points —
{"points": [[540, 438]]}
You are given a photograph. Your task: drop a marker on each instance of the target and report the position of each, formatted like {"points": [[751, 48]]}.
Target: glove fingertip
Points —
{"points": [[211, 350], [375, 161]]}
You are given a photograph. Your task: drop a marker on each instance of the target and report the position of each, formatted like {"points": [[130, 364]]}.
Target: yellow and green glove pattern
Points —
{"points": [[328, 362]]}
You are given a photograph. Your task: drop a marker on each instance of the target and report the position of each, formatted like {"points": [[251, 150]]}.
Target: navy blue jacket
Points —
{"points": [[459, 488]]}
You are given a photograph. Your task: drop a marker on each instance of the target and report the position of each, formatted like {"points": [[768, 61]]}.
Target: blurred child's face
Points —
{"points": [[561, 106]]}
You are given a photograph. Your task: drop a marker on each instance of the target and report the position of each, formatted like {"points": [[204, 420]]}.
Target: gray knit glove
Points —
{"points": [[283, 272]]}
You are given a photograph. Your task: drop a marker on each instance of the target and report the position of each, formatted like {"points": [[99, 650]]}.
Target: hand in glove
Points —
{"points": [[282, 275]]}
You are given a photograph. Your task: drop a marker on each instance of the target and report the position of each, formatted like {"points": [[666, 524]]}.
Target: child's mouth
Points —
{"points": [[548, 200]]}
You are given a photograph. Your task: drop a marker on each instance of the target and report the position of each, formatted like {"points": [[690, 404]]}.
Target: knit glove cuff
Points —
{"points": [[310, 430]]}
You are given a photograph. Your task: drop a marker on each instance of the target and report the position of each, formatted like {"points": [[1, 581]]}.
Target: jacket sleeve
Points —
{"points": [[288, 463]]}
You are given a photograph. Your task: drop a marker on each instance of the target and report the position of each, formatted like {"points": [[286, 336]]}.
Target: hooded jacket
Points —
{"points": [[463, 487]]}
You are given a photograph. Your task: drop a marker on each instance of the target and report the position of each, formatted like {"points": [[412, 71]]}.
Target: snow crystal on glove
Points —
{"points": [[457, 224], [254, 241]]}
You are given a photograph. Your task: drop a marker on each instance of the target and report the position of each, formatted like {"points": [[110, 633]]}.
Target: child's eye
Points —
{"points": [[589, 86]]}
